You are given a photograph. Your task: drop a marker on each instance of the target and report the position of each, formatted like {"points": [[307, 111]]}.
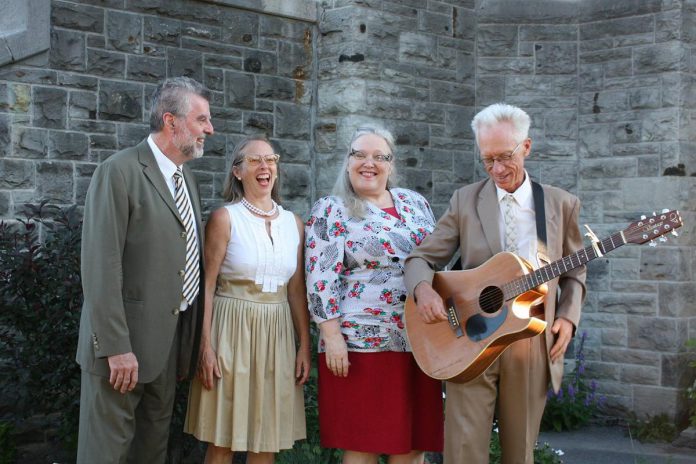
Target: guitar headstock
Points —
{"points": [[652, 227]]}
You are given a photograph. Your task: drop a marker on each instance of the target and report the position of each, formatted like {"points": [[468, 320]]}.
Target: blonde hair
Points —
{"points": [[233, 190], [343, 189]]}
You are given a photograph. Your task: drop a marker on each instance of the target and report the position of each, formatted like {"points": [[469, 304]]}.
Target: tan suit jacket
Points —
{"points": [[133, 249], [471, 225]]}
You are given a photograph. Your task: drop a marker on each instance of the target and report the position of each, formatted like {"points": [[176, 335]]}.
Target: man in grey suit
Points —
{"points": [[142, 280], [483, 219]]}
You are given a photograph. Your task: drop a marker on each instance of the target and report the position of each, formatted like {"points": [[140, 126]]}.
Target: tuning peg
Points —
{"points": [[652, 243], [642, 217], [674, 232], [654, 213], [665, 210], [662, 239]]}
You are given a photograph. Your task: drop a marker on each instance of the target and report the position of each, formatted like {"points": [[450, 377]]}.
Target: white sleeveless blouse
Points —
{"points": [[252, 255]]}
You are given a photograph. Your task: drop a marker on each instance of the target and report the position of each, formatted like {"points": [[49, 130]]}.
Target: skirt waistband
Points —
{"points": [[248, 290]]}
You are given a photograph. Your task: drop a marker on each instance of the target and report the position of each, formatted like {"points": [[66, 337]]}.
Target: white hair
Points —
{"points": [[502, 112], [343, 189]]}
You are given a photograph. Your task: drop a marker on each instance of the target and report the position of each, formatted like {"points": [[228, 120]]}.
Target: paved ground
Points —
{"points": [[611, 445]]}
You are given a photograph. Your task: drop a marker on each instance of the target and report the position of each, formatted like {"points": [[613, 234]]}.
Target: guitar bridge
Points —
{"points": [[453, 318]]}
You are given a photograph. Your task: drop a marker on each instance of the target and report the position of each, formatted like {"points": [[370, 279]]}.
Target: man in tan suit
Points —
{"points": [[481, 222], [142, 281]]}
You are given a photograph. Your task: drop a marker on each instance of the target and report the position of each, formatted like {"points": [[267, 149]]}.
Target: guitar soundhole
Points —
{"points": [[491, 299]]}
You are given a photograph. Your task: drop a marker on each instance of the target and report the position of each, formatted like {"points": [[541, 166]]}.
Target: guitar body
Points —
{"points": [[488, 324]]}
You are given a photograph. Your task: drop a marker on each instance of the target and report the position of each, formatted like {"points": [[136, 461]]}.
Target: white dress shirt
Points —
{"points": [[525, 220]]}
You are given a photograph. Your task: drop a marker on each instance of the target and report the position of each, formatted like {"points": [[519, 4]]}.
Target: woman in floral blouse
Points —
{"points": [[373, 398]]}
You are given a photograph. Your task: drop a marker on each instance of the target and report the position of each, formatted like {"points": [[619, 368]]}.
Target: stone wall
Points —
{"points": [[610, 87]]}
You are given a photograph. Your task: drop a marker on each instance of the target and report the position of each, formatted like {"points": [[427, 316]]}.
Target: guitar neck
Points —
{"points": [[567, 263]]}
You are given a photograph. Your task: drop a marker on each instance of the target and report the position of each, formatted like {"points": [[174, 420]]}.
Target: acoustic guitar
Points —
{"points": [[499, 302]]}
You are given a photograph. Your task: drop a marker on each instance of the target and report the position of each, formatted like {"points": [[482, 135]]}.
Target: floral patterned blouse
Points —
{"points": [[355, 268]]}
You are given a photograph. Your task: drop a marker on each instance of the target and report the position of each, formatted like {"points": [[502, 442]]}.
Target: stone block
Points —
{"points": [[260, 62], [676, 370], [595, 140], [124, 31], [505, 66], [419, 180], [548, 33], [54, 182], [496, 40], [608, 168], [556, 58], [407, 133], [162, 30], [457, 122], [82, 105], [541, 85], [614, 337], [103, 142], [219, 61], [616, 26], [561, 125], [666, 263], [6, 205], [659, 58], [540, 12], [629, 286], [296, 182], [640, 375], [15, 98], [602, 320], [239, 89], [417, 48], [50, 107], [120, 101], [145, 68], [241, 29], [676, 299], [275, 88], [29, 142], [106, 64], [5, 134], [644, 98], [490, 89], [656, 334], [597, 10], [655, 400], [84, 17], [17, 174], [282, 28], [641, 303], [182, 62], [456, 94], [292, 121], [255, 123], [197, 30], [294, 151], [435, 23], [464, 23], [68, 145], [341, 97], [660, 125], [89, 125], [67, 50], [295, 60]]}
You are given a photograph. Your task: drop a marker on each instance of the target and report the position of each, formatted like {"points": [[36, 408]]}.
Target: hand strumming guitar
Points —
{"points": [[429, 303]]}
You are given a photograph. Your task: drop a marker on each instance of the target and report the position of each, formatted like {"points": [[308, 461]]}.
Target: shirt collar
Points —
{"points": [[522, 195], [166, 165]]}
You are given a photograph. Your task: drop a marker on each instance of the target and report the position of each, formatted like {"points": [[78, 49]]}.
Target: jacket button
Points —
{"points": [[175, 311], [181, 273], [183, 234]]}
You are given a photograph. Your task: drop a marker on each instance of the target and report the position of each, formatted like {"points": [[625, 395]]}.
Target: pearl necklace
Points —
{"points": [[259, 211]]}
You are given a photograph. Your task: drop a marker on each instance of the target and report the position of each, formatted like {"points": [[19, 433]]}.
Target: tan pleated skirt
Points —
{"points": [[256, 405]]}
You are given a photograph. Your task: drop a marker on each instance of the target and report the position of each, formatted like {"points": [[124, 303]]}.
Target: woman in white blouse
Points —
{"points": [[373, 398], [255, 340]]}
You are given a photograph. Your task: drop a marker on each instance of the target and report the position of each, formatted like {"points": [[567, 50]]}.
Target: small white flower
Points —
{"points": [[560, 452]]}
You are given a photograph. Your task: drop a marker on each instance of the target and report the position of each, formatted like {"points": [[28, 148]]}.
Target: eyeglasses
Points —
{"points": [[255, 160], [378, 158], [505, 158]]}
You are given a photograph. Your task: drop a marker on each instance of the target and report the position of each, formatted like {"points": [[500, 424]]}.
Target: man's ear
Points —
{"points": [[527, 146]]}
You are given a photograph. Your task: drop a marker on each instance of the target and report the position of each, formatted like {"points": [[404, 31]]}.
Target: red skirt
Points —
{"points": [[386, 405]]}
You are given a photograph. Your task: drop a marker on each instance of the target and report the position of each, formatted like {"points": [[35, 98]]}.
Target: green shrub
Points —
{"points": [[576, 401], [653, 429], [7, 444], [40, 301]]}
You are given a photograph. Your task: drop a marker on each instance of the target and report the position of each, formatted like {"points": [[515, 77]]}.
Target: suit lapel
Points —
{"points": [[154, 175], [488, 211], [552, 226]]}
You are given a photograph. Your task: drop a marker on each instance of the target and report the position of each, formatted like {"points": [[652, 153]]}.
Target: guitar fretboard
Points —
{"points": [[567, 263]]}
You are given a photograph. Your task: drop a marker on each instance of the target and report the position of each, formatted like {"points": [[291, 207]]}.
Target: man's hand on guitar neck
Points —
{"points": [[429, 303]]}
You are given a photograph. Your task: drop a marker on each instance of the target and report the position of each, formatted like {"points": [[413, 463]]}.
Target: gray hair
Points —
{"points": [[343, 189], [173, 96], [233, 190], [502, 112]]}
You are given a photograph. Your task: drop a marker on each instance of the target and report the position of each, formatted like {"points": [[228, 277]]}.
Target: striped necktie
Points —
{"points": [[192, 270], [510, 226]]}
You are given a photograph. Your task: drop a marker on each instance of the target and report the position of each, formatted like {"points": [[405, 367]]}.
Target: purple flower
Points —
{"points": [[571, 392], [581, 368], [593, 385], [559, 395]]}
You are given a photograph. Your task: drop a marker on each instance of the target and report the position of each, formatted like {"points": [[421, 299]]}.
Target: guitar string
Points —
{"points": [[520, 282]]}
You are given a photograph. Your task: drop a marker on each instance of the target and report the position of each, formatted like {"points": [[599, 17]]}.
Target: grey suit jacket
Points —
{"points": [[133, 249], [471, 225]]}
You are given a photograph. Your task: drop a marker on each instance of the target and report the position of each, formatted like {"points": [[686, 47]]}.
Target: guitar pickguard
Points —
{"points": [[479, 327]]}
